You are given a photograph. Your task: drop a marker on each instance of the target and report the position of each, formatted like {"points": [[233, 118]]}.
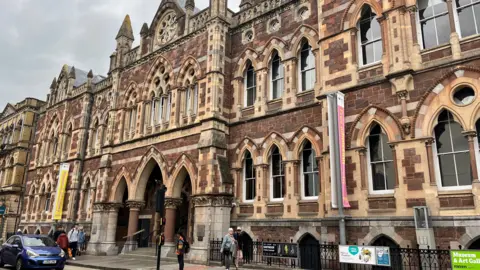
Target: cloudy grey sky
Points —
{"points": [[37, 37]]}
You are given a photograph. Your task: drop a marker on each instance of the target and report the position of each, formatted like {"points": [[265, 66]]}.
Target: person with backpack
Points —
{"points": [[73, 236], [229, 247], [182, 247], [62, 242]]}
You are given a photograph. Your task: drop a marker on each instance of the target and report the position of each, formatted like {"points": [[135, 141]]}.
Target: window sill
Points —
{"points": [[436, 48], [454, 190], [469, 38], [305, 93], [247, 108], [274, 101], [375, 196], [309, 199], [370, 66]]}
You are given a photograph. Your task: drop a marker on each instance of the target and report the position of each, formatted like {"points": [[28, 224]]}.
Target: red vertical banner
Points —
{"points": [[341, 140]]}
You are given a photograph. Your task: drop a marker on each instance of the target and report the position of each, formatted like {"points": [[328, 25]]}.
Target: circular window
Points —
{"points": [[248, 36], [274, 25], [463, 95]]}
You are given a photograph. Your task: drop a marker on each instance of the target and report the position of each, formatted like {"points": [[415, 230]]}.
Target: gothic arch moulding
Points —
{"points": [[248, 54], [189, 63], [304, 231], [429, 103], [247, 144], [274, 139], [353, 12], [186, 163], [145, 167], [159, 63], [360, 127], [377, 232], [304, 32], [121, 175], [302, 135], [273, 44]]}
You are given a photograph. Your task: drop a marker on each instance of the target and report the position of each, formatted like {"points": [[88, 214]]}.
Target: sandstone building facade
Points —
{"points": [[228, 110]]}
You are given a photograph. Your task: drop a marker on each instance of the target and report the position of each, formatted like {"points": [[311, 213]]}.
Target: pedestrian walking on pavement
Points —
{"points": [[62, 242], [228, 248], [58, 232], [81, 241], [180, 250], [73, 236]]}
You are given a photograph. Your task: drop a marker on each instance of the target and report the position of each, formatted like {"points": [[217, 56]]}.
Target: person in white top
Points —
{"points": [[73, 240]]}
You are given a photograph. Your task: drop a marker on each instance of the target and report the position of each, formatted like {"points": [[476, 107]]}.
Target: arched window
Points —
{"points": [[195, 98], [95, 136], [133, 119], [434, 24], [310, 183], [105, 131], [277, 175], [453, 152], [467, 17], [249, 179], [307, 67], [276, 73], [68, 141], [47, 201], [86, 198], [54, 146], [380, 160], [250, 85], [370, 38], [188, 97]]}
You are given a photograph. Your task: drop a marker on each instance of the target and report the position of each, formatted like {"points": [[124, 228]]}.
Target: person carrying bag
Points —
{"points": [[229, 248]]}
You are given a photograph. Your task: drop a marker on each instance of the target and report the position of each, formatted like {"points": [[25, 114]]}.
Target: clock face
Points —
{"points": [[167, 28]]}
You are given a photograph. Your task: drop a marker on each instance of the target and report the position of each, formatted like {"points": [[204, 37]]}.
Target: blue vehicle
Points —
{"points": [[32, 252]]}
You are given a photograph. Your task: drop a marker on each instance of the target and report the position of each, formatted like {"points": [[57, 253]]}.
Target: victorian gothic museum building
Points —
{"points": [[229, 111]]}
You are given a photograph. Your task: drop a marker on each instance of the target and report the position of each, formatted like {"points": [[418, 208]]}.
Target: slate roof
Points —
{"points": [[81, 77]]}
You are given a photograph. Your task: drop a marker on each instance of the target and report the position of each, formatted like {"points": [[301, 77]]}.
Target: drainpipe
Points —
{"points": [[87, 119], [25, 174]]}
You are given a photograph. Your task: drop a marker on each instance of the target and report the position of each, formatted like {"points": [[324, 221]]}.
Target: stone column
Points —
{"points": [[104, 227], [395, 163], [171, 205], [363, 167], [134, 207], [431, 167], [471, 136]]}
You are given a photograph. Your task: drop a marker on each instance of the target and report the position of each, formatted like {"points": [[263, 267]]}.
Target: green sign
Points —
{"points": [[465, 259], [2, 210]]}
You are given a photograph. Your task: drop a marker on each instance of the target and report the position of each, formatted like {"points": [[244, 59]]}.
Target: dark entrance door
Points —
{"points": [[475, 245], [144, 224], [247, 247], [396, 257], [309, 253]]}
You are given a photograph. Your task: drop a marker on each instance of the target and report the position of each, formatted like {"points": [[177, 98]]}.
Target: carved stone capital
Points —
{"points": [[470, 134], [403, 94], [362, 151], [429, 142], [172, 203], [135, 204], [213, 200], [104, 206]]}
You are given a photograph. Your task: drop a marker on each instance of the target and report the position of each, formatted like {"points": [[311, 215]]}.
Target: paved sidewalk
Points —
{"points": [[126, 263]]}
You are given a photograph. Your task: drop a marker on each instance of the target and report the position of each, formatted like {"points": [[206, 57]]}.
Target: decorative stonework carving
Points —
{"points": [[167, 28], [248, 36], [172, 203], [206, 200], [135, 204], [101, 206]]}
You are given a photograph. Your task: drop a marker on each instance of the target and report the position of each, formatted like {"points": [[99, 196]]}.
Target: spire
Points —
{"points": [[72, 73], [54, 83], [144, 30], [90, 74], [126, 29], [190, 4]]}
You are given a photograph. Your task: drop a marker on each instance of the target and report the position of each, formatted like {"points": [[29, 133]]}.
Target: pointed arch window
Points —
{"points": [[309, 172], [47, 201], [380, 159], [452, 150], [370, 38], [104, 131], [86, 197], [277, 175], [433, 23], [307, 67], [277, 75], [153, 108], [249, 179], [250, 85], [54, 146], [195, 98]]}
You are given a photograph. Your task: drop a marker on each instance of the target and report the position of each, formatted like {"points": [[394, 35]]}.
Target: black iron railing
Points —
{"points": [[325, 256]]}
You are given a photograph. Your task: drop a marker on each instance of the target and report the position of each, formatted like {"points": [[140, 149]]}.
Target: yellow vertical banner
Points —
{"points": [[60, 193]]}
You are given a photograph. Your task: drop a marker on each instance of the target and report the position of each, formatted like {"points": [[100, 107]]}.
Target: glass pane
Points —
{"points": [[443, 29], [425, 13], [477, 126], [277, 90], [464, 169], [376, 32], [378, 177], [276, 164], [308, 79], [375, 150], [439, 7], [249, 168], [461, 3], [442, 138], [447, 170], [387, 150], [250, 189], [250, 96], [367, 52], [365, 32], [278, 187], [250, 78], [476, 11], [428, 33], [460, 142], [310, 184], [377, 46], [307, 160], [390, 171], [276, 69], [465, 16]]}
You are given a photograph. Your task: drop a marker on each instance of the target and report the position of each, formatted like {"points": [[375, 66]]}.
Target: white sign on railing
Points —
{"points": [[364, 255]]}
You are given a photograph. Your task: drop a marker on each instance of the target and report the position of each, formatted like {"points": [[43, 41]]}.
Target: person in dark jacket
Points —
{"points": [[58, 232], [180, 248], [62, 242]]}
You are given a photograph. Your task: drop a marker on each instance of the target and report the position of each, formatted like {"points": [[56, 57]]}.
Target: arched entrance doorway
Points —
{"points": [[123, 214], [475, 244], [246, 246], [309, 252], [184, 212], [396, 257], [148, 221]]}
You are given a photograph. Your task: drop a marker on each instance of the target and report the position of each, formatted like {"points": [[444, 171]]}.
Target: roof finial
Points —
{"points": [[190, 4], [72, 73], [126, 29], [144, 30], [90, 74], [54, 83]]}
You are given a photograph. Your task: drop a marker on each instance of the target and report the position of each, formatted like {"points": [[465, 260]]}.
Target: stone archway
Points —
{"points": [[121, 196]]}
